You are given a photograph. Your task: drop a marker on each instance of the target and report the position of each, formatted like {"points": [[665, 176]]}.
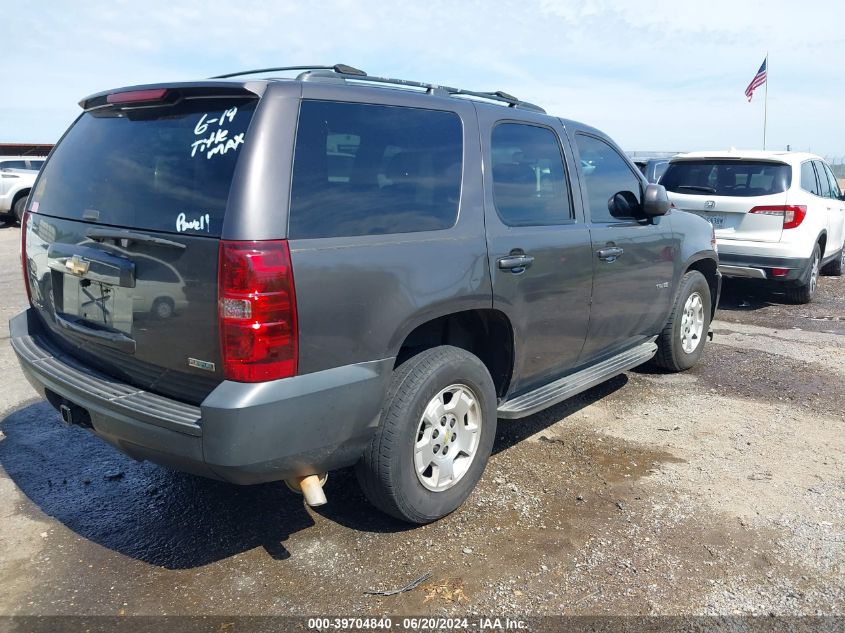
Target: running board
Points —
{"points": [[568, 386]]}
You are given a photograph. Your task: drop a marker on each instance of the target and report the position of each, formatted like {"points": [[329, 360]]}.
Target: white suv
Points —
{"points": [[17, 175], [778, 216]]}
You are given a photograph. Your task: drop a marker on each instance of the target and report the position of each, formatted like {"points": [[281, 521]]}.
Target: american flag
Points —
{"points": [[759, 80]]}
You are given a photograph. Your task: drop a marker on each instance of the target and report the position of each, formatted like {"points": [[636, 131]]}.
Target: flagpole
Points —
{"points": [[766, 101]]}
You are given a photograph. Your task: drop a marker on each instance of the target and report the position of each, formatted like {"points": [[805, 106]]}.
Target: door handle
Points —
{"points": [[515, 263], [609, 254], [10, 176]]}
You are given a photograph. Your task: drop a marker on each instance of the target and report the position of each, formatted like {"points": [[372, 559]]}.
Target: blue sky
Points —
{"points": [[655, 75]]}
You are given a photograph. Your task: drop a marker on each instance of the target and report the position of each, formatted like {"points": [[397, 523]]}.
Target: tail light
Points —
{"points": [[793, 214], [24, 267], [780, 272], [258, 331]]}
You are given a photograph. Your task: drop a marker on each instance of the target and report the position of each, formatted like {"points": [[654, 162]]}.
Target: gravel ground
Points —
{"points": [[717, 491]]}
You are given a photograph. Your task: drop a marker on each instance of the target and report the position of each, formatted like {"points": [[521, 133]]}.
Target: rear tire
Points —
{"points": [[805, 292], [681, 343], [436, 434], [835, 268]]}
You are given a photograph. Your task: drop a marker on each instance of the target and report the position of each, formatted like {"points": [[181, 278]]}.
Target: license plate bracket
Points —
{"points": [[103, 304], [90, 284]]}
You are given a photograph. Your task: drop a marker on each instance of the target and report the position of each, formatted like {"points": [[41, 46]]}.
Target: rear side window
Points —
{"points": [[834, 185], [606, 173], [529, 181], [166, 169], [808, 178], [823, 182], [362, 169], [13, 164], [715, 177]]}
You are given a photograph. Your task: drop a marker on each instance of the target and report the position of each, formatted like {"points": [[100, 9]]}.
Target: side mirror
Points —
{"points": [[655, 200], [624, 204]]}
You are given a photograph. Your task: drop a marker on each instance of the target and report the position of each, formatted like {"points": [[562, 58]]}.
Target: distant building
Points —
{"points": [[25, 149]]}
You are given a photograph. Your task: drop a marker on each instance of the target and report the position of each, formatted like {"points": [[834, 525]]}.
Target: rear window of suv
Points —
{"points": [[13, 164], [166, 168], [740, 178], [363, 169]]}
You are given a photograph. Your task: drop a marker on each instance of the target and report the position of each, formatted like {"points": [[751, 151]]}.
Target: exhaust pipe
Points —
{"points": [[311, 487]]}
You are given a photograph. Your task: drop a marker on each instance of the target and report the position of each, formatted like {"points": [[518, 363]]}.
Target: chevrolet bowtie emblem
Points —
{"points": [[77, 266]]}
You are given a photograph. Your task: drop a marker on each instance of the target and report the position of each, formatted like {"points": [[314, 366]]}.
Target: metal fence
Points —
{"points": [[837, 164], [645, 155]]}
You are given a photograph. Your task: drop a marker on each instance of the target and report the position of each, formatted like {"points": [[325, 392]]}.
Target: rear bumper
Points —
{"points": [[760, 267], [242, 433]]}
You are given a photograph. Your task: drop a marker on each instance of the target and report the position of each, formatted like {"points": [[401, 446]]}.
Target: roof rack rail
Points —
{"points": [[341, 69], [497, 96], [346, 72]]}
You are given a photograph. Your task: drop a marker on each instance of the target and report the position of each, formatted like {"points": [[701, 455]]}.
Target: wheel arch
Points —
{"points": [[23, 193], [707, 266], [486, 333], [821, 240]]}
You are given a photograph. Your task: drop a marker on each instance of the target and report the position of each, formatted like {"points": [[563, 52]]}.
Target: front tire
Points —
{"points": [[807, 290], [681, 343], [18, 208], [435, 437], [163, 308]]}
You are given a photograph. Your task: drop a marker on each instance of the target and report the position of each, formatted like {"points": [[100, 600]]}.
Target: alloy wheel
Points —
{"points": [[447, 437], [692, 323]]}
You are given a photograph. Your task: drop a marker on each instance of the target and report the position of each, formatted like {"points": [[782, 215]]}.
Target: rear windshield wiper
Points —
{"points": [[131, 236], [703, 188]]}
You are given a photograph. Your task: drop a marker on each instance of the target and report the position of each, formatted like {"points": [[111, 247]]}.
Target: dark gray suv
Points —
{"points": [[267, 280]]}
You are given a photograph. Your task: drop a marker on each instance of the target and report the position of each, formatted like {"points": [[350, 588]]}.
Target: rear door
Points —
{"points": [[539, 246], [738, 197], [835, 207], [633, 258], [123, 237], [385, 223]]}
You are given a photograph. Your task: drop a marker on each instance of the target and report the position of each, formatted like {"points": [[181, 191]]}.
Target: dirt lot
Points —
{"points": [[717, 491]]}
